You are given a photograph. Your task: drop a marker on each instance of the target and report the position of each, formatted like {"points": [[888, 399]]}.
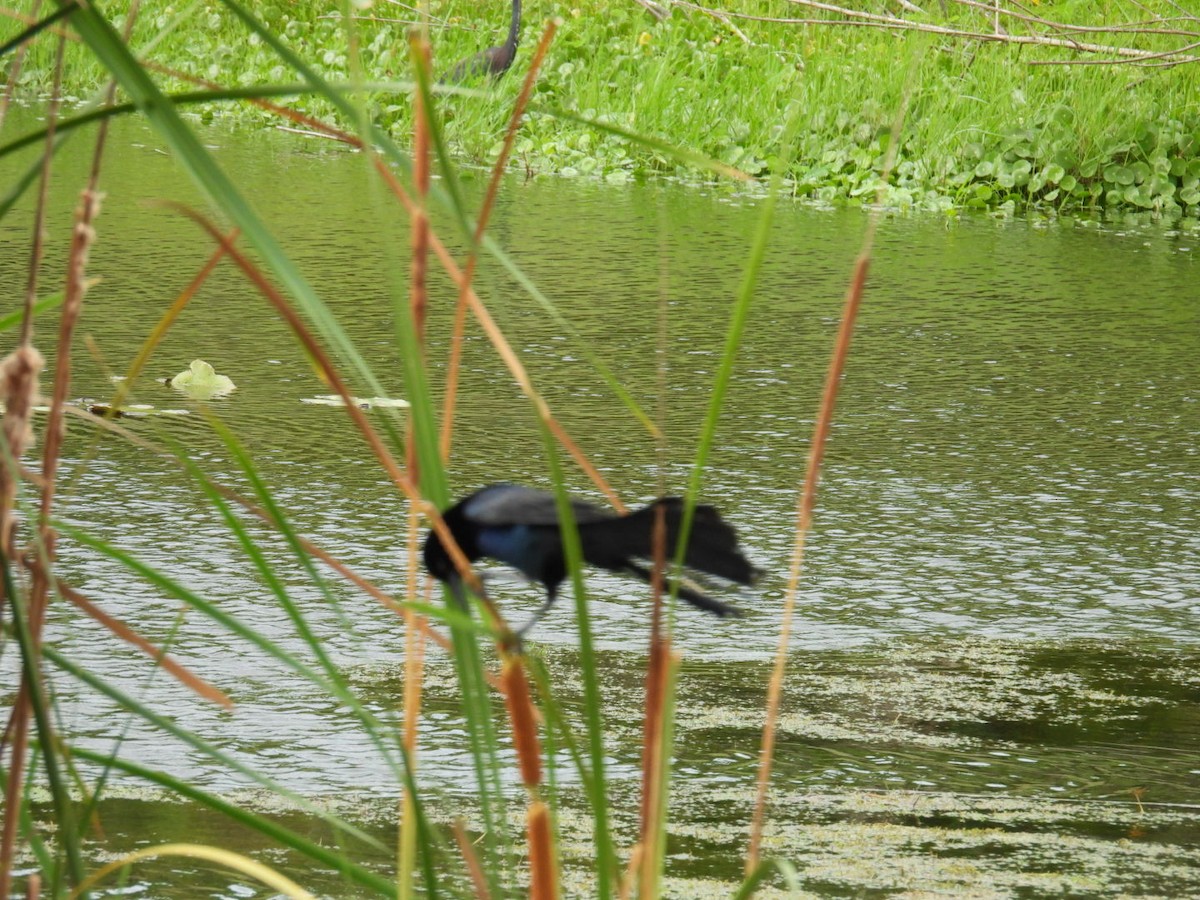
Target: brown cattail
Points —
{"points": [[543, 875], [520, 710], [19, 392]]}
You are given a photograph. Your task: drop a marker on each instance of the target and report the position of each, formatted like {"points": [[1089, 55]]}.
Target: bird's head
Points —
{"points": [[436, 557], [437, 561]]}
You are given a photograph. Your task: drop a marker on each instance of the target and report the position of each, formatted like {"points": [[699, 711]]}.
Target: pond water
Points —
{"points": [[993, 685]]}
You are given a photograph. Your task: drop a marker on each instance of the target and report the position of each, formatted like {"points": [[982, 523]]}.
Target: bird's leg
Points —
{"points": [[455, 584], [510, 639], [551, 596]]}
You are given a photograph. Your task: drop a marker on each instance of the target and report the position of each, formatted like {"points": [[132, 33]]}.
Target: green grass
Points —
{"points": [[987, 127]]}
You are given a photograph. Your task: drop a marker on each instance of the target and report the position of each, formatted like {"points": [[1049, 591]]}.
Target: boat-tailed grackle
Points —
{"points": [[519, 526]]}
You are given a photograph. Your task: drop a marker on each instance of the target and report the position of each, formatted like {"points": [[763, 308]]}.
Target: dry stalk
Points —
{"points": [[485, 214], [420, 219], [414, 668], [181, 673], [1051, 36], [415, 629], [629, 877], [655, 759], [19, 382], [467, 849], [656, 685], [19, 391], [808, 496]]}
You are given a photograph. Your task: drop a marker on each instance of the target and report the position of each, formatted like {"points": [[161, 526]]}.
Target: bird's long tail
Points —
{"points": [[711, 548]]}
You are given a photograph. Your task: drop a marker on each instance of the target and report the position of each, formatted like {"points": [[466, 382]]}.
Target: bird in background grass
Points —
{"points": [[494, 61], [519, 526]]}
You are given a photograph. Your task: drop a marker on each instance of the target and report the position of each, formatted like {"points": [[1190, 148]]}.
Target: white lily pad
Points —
{"points": [[361, 402], [201, 382]]}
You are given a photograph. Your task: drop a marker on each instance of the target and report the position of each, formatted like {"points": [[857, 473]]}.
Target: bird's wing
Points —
{"points": [[514, 504]]}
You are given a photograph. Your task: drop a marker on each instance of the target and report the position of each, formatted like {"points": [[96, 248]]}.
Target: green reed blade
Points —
{"points": [[606, 858], [39, 702], [32, 31]]}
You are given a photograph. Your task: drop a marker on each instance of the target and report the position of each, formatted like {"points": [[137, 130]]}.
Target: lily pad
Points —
{"points": [[361, 402], [201, 382]]}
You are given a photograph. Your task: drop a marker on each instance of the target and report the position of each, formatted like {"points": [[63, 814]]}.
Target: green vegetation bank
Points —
{"points": [[989, 124]]}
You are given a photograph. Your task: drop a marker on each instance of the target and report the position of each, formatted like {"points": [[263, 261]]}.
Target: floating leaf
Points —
{"points": [[201, 382], [362, 403]]}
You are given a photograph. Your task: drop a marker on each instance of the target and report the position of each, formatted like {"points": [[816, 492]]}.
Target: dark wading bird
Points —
{"points": [[519, 526], [494, 61]]}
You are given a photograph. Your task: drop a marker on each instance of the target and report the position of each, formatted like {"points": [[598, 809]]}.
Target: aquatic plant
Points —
{"points": [[1008, 115]]}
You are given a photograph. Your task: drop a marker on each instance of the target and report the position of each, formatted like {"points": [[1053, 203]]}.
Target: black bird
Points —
{"points": [[494, 61], [519, 526]]}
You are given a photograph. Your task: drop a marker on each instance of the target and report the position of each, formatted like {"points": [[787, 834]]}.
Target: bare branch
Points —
{"points": [[1034, 30]]}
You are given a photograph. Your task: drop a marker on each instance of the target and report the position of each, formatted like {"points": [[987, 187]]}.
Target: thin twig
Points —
{"points": [[860, 19], [467, 849], [181, 673]]}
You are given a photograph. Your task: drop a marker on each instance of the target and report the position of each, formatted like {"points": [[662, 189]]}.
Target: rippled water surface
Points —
{"points": [[993, 683]]}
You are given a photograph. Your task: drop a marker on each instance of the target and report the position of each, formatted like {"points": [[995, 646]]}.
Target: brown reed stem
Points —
{"points": [[656, 682], [419, 49], [485, 214], [474, 869], [630, 875], [19, 386], [21, 372], [181, 673], [420, 52], [808, 494]]}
